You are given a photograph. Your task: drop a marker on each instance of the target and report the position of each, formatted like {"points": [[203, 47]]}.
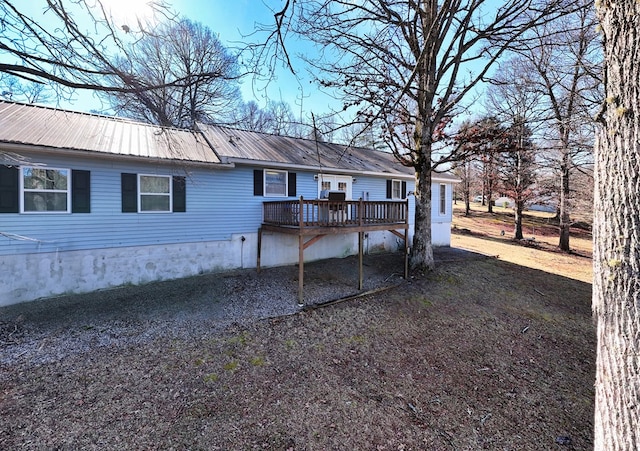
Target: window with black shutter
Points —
{"points": [[274, 183]]}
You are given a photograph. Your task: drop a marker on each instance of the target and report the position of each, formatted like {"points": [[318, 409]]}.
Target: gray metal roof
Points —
{"points": [[53, 128], [246, 147]]}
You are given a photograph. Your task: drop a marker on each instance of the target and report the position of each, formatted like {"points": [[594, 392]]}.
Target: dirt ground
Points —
{"points": [[481, 353]]}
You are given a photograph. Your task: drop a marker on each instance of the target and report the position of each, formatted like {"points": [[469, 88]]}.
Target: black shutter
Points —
{"points": [[129, 184], [9, 190], [403, 195], [80, 191], [258, 182], [389, 188], [179, 194], [291, 189]]}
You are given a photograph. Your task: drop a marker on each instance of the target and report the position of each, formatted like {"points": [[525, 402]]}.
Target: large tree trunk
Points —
{"points": [[517, 231], [565, 220], [422, 250], [616, 283]]}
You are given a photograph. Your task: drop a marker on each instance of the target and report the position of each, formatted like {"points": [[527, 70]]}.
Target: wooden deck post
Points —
{"points": [[301, 214], [360, 258], [300, 270], [301, 253]]}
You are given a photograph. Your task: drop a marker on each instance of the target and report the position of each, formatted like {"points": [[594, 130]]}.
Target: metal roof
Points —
{"points": [[241, 146], [54, 128]]}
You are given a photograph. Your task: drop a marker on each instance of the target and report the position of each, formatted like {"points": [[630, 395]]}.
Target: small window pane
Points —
{"points": [[154, 203], [151, 184], [43, 201], [45, 179]]}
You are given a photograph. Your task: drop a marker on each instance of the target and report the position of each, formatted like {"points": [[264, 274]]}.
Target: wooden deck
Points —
{"points": [[311, 220]]}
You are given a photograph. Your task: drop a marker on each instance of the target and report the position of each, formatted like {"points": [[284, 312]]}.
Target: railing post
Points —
{"points": [[301, 213], [361, 212]]}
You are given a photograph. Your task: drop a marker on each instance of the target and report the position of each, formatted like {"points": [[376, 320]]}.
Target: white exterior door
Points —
{"points": [[335, 183]]}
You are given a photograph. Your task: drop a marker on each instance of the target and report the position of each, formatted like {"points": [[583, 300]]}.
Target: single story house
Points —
{"points": [[90, 202]]}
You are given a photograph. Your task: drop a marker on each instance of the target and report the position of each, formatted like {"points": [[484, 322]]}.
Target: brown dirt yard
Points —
{"points": [[482, 353]]}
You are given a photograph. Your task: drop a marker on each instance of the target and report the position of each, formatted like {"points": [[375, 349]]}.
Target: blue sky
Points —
{"points": [[233, 21]]}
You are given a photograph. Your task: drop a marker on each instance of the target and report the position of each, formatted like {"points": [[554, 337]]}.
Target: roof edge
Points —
{"points": [[56, 151]]}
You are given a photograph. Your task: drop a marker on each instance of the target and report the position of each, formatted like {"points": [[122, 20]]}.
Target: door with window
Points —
{"points": [[335, 183], [342, 183]]}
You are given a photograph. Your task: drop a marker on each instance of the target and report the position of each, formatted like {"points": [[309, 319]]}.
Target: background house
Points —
{"points": [[90, 202]]}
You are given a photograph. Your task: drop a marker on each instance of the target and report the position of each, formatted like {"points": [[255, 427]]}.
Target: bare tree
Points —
{"points": [[563, 60], [79, 48], [12, 89], [407, 66], [253, 118], [179, 49], [616, 259], [276, 118]]}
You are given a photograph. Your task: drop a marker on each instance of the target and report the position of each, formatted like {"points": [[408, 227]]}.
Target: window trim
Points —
{"points": [[286, 183], [443, 200], [24, 190], [140, 193]]}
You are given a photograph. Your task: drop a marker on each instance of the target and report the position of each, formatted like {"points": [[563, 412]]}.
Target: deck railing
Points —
{"points": [[325, 213]]}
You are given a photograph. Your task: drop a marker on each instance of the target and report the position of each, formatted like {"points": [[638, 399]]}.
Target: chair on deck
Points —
{"points": [[337, 206]]}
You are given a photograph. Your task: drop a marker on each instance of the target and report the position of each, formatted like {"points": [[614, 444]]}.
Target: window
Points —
{"points": [[443, 199], [275, 183], [45, 190], [154, 193], [396, 189], [145, 193], [31, 189]]}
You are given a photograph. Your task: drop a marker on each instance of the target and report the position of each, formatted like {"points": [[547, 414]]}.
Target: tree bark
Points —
{"points": [[616, 285], [422, 250], [517, 231], [565, 220]]}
